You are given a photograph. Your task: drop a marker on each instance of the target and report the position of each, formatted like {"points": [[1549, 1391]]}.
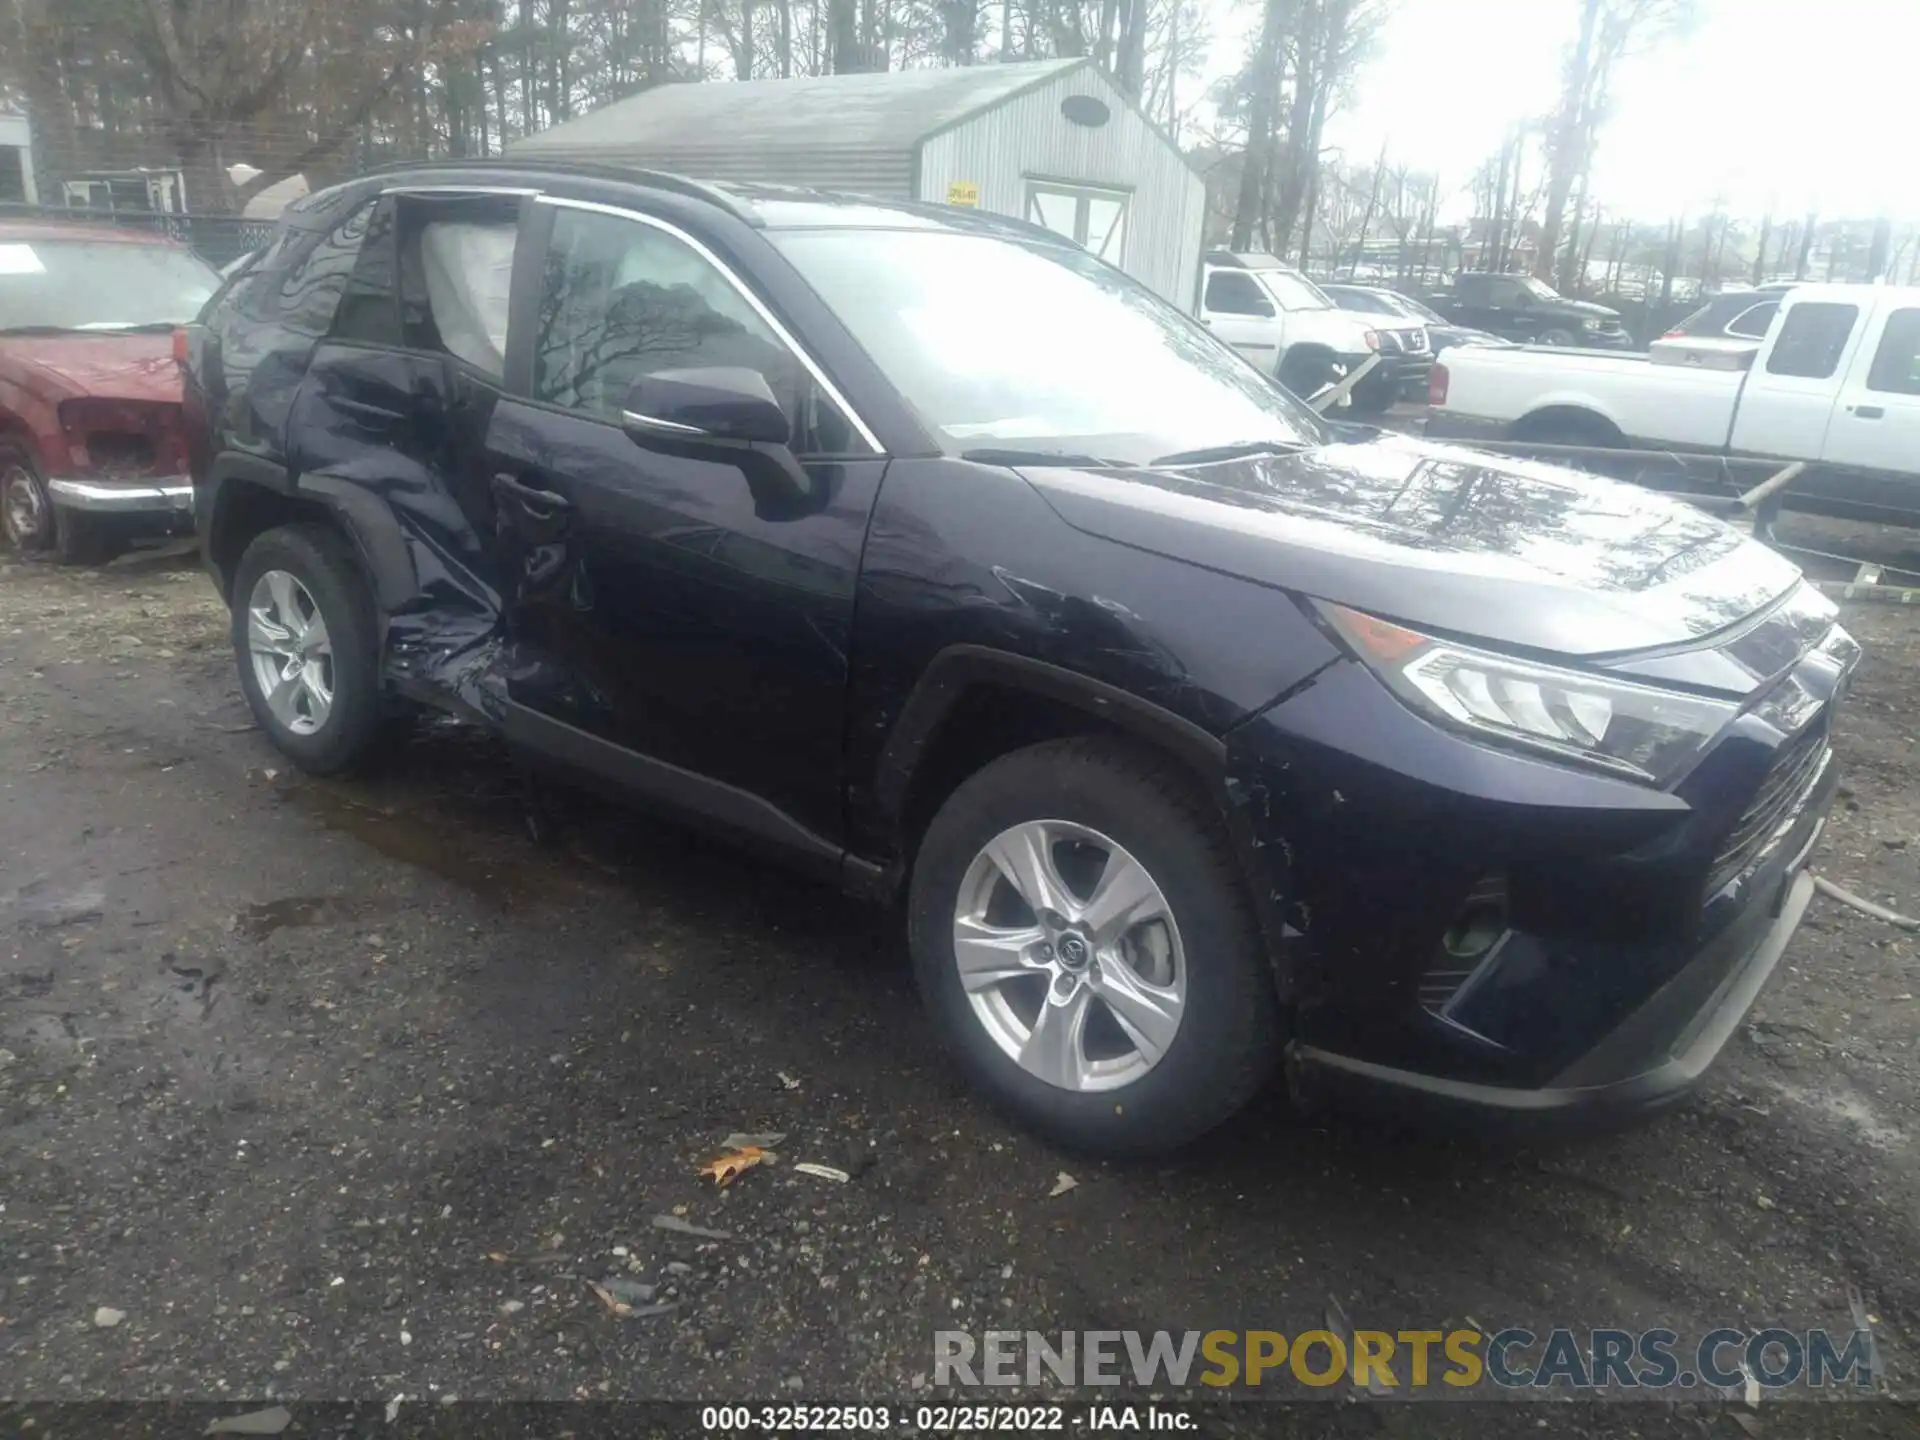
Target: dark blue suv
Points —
{"points": [[932, 555]]}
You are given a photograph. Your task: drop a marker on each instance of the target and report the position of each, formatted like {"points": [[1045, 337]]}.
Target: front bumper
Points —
{"points": [[1655, 1057], [168, 496], [1405, 375], [1640, 924]]}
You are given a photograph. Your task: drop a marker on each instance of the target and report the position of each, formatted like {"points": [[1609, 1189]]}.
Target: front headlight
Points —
{"points": [[1618, 725], [1592, 323]]}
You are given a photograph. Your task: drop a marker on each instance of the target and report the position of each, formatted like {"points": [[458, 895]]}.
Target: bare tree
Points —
{"points": [[1610, 31]]}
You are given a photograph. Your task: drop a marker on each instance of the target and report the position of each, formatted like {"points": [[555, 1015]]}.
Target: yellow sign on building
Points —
{"points": [[964, 192]]}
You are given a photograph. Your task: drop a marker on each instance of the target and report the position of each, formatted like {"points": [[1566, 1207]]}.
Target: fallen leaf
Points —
{"points": [[822, 1172], [1063, 1183], [498, 1257], [258, 1422], [787, 1082], [723, 1168]]}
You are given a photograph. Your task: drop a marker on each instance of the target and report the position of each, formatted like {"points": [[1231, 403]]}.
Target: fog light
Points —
{"points": [[1472, 940]]}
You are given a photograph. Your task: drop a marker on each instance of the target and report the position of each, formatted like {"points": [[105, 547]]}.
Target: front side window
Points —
{"points": [[1896, 364], [1000, 341], [1812, 340], [100, 285], [621, 299], [1232, 292]]}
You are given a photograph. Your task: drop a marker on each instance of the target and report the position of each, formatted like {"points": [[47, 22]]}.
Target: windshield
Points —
{"points": [[1292, 292], [1365, 301], [998, 341], [1409, 306], [1539, 288], [99, 285]]}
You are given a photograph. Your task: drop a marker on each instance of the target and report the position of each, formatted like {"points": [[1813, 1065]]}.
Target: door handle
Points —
{"points": [[542, 504], [1868, 412]]}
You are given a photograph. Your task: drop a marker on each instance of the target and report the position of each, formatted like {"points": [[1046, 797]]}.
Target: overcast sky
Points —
{"points": [[1807, 103]]}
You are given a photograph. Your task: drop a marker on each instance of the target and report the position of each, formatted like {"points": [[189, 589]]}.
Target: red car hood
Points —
{"points": [[112, 367]]}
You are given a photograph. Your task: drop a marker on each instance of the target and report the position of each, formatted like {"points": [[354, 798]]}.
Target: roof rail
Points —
{"points": [[659, 179]]}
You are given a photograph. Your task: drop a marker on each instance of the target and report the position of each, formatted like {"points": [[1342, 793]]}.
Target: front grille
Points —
{"points": [[1794, 772]]}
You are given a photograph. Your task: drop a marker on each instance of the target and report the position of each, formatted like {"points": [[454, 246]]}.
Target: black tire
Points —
{"points": [[1557, 336], [1228, 1037], [1303, 373], [27, 515], [322, 561]]}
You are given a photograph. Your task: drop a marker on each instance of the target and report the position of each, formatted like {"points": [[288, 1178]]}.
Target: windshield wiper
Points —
{"points": [[993, 456], [1238, 450]]}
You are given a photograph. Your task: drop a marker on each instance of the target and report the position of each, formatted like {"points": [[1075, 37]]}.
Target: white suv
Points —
{"points": [[1281, 321]]}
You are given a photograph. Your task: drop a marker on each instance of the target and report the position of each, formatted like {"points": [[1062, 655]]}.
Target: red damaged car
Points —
{"points": [[92, 453]]}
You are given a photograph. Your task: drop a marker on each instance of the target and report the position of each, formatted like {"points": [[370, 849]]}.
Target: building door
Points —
{"points": [[1086, 215]]}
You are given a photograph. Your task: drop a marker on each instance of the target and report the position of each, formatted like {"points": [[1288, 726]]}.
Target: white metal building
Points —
{"points": [[1051, 141]]}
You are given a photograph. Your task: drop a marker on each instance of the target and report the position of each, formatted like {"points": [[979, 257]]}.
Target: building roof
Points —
{"points": [[893, 109]]}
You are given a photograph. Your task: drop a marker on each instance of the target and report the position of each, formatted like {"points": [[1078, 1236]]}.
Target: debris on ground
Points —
{"points": [[627, 1292], [787, 1082], [753, 1140], [270, 1421], [725, 1168], [1062, 1183], [1865, 907], [822, 1172], [106, 1317], [686, 1227]]}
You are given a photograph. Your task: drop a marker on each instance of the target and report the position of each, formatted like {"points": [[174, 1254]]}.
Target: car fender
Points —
{"points": [[361, 515], [959, 668]]}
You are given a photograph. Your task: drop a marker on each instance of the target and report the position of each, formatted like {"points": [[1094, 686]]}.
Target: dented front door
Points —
{"points": [[665, 603]]}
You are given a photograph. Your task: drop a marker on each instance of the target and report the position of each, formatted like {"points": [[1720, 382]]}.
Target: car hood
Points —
{"points": [[1518, 553], [1585, 307], [112, 367]]}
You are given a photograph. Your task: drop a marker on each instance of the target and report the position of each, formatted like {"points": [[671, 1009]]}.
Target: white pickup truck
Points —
{"points": [[1835, 383]]}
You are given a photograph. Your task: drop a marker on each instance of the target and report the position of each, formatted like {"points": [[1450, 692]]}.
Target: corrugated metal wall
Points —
{"points": [[884, 173], [1028, 137]]}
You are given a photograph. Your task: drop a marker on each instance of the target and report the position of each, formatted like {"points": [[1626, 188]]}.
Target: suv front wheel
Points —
{"points": [[305, 637], [1081, 938]]}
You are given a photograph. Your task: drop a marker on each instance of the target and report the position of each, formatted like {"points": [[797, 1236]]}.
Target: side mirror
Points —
{"points": [[730, 406], [725, 413]]}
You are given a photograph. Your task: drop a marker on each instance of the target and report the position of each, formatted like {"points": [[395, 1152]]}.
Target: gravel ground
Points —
{"points": [[345, 1091]]}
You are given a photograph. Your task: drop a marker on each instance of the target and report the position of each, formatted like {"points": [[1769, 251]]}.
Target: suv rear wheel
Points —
{"points": [[304, 634], [1081, 938]]}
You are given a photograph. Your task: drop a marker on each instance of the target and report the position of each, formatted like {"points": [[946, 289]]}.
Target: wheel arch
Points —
{"points": [[251, 495], [1559, 416], [974, 704]]}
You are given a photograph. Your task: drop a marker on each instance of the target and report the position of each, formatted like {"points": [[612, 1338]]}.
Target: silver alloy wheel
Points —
{"points": [[291, 652], [1069, 955], [28, 520]]}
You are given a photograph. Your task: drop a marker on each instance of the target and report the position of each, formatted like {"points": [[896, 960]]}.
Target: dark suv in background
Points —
{"points": [[925, 551], [1523, 308]]}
